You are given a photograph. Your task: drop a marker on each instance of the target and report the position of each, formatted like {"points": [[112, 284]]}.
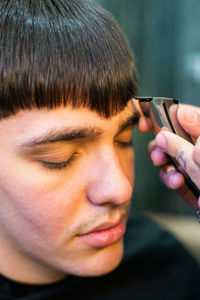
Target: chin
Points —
{"points": [[101, 261]]}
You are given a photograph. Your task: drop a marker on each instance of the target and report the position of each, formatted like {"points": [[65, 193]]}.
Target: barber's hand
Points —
{"points": [[187, 154]]}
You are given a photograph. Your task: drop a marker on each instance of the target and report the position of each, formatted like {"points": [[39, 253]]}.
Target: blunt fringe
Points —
{"points": [[60, 52]]}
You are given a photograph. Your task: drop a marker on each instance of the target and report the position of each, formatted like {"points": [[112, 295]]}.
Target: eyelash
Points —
{"points": [[125, 144], [58, 166], [64, 164]]}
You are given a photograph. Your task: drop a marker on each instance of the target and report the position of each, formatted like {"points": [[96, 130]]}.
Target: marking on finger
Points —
{"points": [[180, 158]]}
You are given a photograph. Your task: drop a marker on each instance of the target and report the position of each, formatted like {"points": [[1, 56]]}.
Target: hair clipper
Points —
{"points": [[163, 114]]}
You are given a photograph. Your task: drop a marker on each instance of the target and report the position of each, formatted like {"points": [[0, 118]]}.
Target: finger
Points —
{"points": [[189, 118], [158, 157], [196, 152], [172, 179], [151, 146], [193, 107], [181, 150], [175, 181], [145, 124]]}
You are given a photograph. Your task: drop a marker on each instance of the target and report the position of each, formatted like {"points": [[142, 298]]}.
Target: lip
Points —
{"points": [[104, 234]]}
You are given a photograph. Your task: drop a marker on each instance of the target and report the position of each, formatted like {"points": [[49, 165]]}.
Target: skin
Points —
{"points": [[187, 154], [43, 211]]}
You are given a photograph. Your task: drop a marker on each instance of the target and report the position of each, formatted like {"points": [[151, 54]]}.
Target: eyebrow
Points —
{"points": [[132, 120], [67, 134]]}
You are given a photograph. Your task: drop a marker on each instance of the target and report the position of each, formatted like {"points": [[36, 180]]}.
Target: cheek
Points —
{"points": [[44, 207]]}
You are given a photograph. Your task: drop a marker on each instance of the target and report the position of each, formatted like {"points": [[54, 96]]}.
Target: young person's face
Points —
{"points": [[66, 180]]}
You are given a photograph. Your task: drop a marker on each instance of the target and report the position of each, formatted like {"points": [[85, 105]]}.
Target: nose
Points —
{"points": [[109, 183]]}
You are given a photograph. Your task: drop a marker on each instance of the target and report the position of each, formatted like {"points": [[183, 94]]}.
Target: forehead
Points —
{"points": [[28, 123]]}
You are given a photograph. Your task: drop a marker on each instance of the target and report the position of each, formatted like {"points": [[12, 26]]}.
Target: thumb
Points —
{"points": [[189, 118]]}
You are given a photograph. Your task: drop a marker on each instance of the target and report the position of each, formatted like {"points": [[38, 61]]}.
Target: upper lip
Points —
{"points": [[107, 225]]}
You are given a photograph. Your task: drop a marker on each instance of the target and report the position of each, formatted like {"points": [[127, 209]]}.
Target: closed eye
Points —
{"points": [[124, 139], [58, 165], [124, 144]]}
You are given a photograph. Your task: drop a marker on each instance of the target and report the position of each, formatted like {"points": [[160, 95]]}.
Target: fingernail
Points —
{"points": [[189, 116], [161, 141]]}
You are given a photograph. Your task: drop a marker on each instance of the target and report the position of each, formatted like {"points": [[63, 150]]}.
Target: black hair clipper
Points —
{"points": [[163, 114]]}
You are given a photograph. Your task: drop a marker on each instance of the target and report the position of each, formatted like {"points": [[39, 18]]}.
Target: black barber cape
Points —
{"points": [[155, 267]]}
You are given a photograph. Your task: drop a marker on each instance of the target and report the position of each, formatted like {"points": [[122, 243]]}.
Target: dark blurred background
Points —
{"points": [[165, 38]]}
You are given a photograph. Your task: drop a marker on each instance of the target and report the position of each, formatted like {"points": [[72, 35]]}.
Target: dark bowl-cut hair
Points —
{"points": [[60, 52]]}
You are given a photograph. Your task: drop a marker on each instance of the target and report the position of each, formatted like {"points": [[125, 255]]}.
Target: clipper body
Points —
{"points": [[163, 114]]}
